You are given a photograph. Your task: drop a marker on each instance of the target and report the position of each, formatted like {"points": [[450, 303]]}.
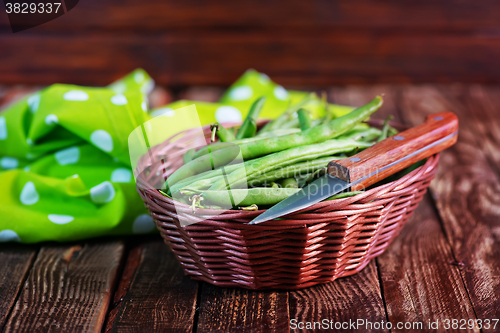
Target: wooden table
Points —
{"points": [[445, 264]]}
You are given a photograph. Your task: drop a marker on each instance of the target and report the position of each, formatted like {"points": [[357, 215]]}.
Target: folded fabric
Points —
{"points": [[64, 164]]}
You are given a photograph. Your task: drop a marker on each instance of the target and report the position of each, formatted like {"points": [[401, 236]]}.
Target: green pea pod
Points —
{"points": [[207, 162], [385, 129], [344, 195], [285, 158], [224, 134], [201, 176], [202, 184], [392, 131], [188, 155], [319, 133], [289, 183], [273, 133], [249, 126], [301, 169], [282, 119], [258, 196], [366, 135], [292, 123], [221, 145], [304, 119]]}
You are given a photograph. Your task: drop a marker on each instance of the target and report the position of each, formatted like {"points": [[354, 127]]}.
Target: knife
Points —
{"points": [[375, 163]]}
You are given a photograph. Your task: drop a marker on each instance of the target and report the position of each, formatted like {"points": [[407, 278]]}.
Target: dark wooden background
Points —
{"points": [[297, 43]]}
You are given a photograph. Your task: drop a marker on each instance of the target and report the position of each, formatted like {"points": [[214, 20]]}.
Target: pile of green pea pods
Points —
{"points": [[279, 158]]}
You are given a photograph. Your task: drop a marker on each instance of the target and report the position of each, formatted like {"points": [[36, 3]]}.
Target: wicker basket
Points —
{"points": [[329, 240]]}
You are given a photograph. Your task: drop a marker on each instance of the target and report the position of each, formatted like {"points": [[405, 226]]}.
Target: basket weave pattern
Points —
{"points": [[328, 240]]}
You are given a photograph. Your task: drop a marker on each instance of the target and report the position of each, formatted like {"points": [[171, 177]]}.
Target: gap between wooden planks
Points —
{"points": [[16, 261]]}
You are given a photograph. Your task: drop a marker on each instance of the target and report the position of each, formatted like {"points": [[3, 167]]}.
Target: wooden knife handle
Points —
{"points": [[397, 152]]}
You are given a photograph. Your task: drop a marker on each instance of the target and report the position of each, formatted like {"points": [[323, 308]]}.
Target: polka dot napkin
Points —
{"points": [[64, 163]]}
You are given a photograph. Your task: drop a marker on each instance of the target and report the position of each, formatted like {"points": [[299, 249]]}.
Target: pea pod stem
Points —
{"points": [[252, 207], [224, 134], [213, 129]]}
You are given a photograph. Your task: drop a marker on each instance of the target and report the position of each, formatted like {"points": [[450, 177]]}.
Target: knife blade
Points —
{"points": [[373, 164]]}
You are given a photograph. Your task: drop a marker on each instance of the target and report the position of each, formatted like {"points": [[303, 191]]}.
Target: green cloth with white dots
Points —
{"points": [[64, 162]]}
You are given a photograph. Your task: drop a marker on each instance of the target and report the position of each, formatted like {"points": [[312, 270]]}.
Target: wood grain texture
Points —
{"points": [[217, 57], [346, 299], [68, 288], [241, 310], [156, 15], [419, 282], [160, 297], [483, 102], [16, 261], [133, 260], [467, 192]]}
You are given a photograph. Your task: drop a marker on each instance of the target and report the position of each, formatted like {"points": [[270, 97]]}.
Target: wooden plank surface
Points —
{"points": [[68, 288], [219, 57], [466, 191], [158, 297], [241, 310], [16, 261], [483, 102], [433, 271], [343, 301], [420, 282]]}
